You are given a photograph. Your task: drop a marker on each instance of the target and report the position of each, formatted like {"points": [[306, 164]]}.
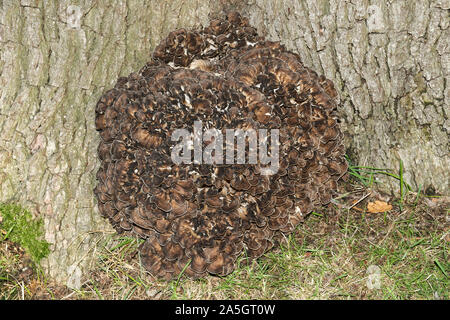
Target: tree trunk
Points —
{"points": [[57, 58], [389, 62]]}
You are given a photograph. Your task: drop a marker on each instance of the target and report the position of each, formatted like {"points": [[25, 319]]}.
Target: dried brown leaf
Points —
{"points": [[378, 206]]}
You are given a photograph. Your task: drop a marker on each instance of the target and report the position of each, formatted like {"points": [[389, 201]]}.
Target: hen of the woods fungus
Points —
{"points": [[200, 216]]}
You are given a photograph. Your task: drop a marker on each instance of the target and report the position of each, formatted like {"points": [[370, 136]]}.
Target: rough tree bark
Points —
{"points": [[389, 61], [57, 58]]}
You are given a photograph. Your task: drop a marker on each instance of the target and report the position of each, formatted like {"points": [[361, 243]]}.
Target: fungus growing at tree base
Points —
{"points": [[200, 217]]}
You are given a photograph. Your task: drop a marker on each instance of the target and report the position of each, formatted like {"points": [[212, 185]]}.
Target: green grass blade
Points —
{"points": [[440, 267]]}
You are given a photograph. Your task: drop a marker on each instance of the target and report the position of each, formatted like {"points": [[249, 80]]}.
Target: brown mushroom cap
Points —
{"points": [[200, 217]]}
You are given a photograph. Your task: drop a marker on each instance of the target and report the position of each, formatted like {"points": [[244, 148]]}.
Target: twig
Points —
{"points": [[359, 201]]}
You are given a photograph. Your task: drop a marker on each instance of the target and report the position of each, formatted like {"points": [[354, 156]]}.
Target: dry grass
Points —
{"points": [[327, 258]]}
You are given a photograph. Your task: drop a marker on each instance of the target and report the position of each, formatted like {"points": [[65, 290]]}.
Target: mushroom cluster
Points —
{"points": [[197, 217]]}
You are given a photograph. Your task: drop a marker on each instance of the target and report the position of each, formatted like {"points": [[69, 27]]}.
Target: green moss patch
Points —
{"points": [[17, 225]]}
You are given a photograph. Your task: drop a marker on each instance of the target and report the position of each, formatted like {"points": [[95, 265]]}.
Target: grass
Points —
{"points": [[329, 257]]}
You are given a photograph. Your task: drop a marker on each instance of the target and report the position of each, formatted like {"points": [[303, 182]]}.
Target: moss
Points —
{"points": [[325, 7], [426, 133], [420, 82], [17, 225], [427, 100]]}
